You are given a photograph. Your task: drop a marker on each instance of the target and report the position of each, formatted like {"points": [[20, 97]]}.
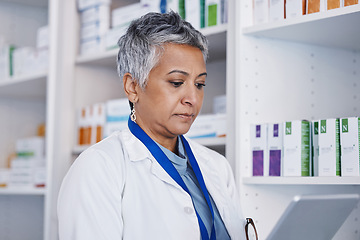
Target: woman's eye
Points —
{"points": [[176, 84], [200, 85]]}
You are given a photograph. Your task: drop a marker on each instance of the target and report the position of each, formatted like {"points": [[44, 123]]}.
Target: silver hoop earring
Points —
{"points": [[133, 116]]}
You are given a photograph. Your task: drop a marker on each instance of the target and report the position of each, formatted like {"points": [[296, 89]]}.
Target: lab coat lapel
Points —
{"points": [[139, 152]]}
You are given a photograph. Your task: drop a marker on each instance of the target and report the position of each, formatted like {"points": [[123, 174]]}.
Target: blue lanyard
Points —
{"points": [[166, 164]]}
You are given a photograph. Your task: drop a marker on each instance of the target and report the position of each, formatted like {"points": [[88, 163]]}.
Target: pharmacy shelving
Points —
{"points": [[22, 191], [32, 86], [301, 68]]}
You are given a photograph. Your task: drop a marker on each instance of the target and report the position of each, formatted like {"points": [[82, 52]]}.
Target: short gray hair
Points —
{"points": [[142, 44]]}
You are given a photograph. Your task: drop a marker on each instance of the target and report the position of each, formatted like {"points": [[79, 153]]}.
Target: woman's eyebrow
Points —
{"points": [[185, 73]]}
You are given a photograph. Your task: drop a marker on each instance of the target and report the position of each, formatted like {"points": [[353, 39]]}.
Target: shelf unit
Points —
{"points": [[301, 68], [23, 106]]}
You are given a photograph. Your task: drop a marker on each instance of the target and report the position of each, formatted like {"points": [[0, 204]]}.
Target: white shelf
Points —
{"points": [[35, 3], [31, 86], [216, 36], [302, 180], [22, 191], [334, 28]]}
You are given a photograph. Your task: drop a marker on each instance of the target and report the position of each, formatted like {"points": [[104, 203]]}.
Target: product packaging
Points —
{"points": [[295, 8], [315, 148], [276, 10], [350, 142], [314, 6], [260, 11], [219, 104], [117, 115], [260, 158], [208, 126], [296, 148], [275, 148], [350, 2], [212, 12], [332, 4], [329, 147]]}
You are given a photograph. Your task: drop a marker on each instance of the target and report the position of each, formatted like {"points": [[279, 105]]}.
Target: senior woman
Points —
{"points": [[149, 181]]}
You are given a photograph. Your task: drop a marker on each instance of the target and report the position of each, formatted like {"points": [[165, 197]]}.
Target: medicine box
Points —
{"points": [[208, 126], [258, 142], [123, 15], [219, 104], [91, 46], [350, 138], [212, 12], [296, 148], [260, 11], [329, 147], [84, 4], [276, 10], [33, 147], [93, 30], [314, 6], [6, 63], [315, 148], [192, 13], [117, 115], [95, 14], [332, 4], [112, 36], [99, 120], [350, 2], [42, 37], [275, 148], [295, 8]]}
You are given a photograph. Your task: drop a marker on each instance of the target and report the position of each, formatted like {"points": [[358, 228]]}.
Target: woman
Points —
{"points": [[148, 181]]}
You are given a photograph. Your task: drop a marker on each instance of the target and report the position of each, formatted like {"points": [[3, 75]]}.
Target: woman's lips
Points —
{"points": [[187, 116]]}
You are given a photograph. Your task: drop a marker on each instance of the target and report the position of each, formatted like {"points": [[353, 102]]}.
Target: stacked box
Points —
{"points": [[296, 148], [315, 148], [260, 11], [350, 142], [260, 160], [295, 8], [275, 148], [208, 125], [117, 115], [276, 10], [94, 24], [329, 147]]}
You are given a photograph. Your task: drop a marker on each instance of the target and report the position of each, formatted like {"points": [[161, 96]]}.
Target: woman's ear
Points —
{"points": [[130, 87]]}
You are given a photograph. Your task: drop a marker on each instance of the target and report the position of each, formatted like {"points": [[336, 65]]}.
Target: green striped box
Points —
{"points": [[350, 141]]}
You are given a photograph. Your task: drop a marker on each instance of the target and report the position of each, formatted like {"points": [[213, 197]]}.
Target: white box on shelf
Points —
{"points": [[92, 46], [329, 147], [192, 13], [275, 148], [33, 147], [84, 4], [42, 37], [117, 115], [123, 15], [315, 147], [276, 10], [4, 176], [260, 11], [24, 61], [219, 104], [208, 126], [6, 63], [112, 37], [296, 148], [295, 8], [93, 30], [350, 143], [95, 14], [39, 177], [258, 142]]}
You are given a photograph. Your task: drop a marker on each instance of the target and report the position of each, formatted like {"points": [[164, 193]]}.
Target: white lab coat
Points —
{"points": [[117, 190]]}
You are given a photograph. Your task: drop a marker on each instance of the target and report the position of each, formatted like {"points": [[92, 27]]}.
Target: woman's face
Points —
{"points": [[174, 92]]}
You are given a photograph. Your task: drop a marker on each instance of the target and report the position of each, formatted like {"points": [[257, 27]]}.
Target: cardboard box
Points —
{"points": [[296, 148], [329, 147], [314, 6], [275, 148], [350, 2], [332, 4], [276, 10], [117, 115], [260, 11], [315, 148], [350, 138], [33, 147], [258, 142], [295, 8]]}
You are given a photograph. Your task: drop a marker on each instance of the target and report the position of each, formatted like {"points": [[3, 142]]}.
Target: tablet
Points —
{"points": [[314, 217]]}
